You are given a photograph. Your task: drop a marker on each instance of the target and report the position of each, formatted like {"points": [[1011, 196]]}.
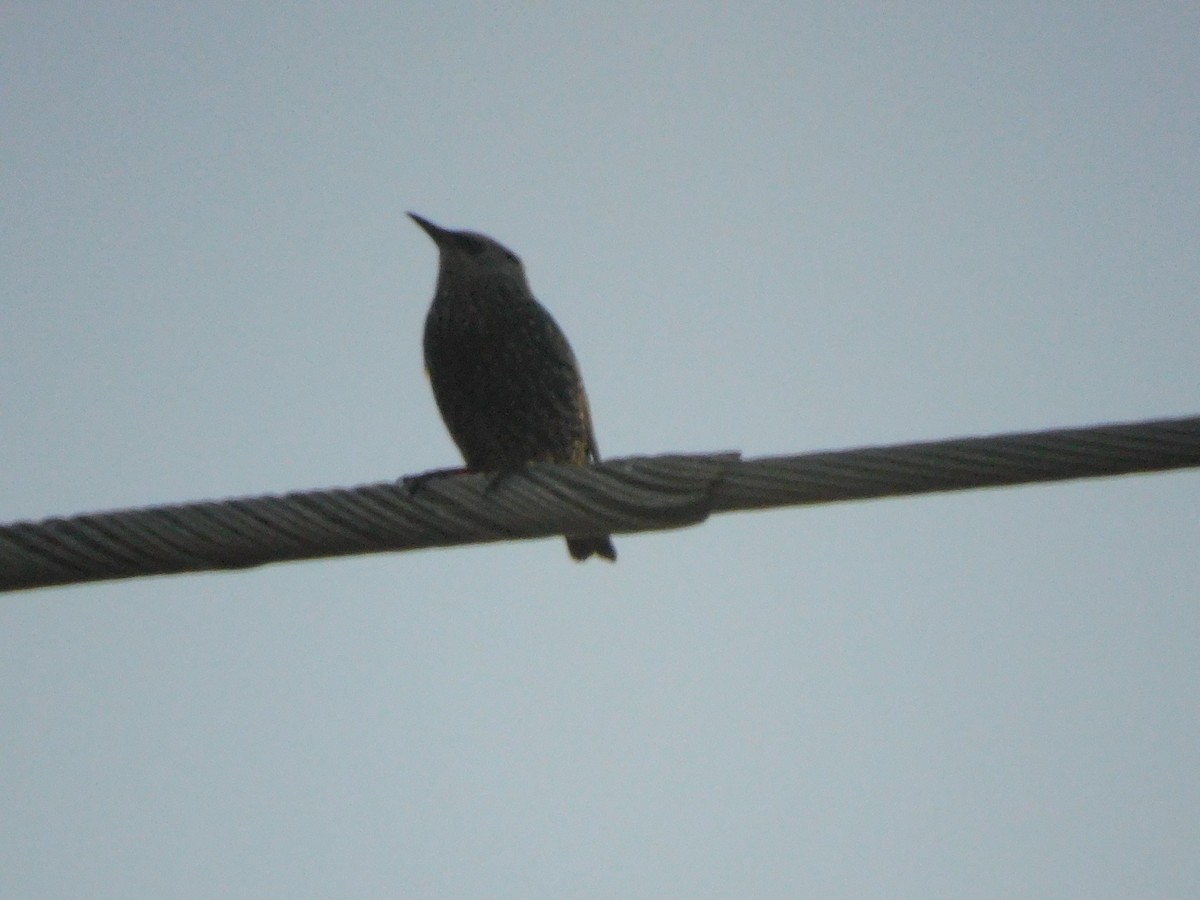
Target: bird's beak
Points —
{"points": [[436, 233]]}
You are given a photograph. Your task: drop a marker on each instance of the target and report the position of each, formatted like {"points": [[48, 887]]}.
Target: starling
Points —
{"points": [[504, 377]]}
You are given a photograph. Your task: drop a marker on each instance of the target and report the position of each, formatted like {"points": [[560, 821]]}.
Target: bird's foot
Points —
{"points": [[414, 483], [502, 475]]}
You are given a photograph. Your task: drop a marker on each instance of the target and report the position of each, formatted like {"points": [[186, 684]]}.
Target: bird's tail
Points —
{"points": [[582, 548]]}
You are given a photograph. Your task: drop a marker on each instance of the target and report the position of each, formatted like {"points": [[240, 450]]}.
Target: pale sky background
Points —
{"points": [[774, 228]]}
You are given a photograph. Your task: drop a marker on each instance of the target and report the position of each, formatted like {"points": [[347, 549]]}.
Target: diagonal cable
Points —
{"points": [[617, 496]]}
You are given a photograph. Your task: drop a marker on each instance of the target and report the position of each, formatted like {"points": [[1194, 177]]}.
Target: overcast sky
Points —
{"points": [[774, 228]]}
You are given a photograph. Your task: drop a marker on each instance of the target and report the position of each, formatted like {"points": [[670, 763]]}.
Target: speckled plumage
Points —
{"points": [[504, 377]]}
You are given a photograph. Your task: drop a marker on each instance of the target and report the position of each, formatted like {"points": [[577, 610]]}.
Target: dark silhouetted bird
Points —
{"points": [[504, 377]]}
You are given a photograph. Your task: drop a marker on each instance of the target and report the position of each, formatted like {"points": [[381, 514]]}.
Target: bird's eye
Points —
{"points": [[472, 245]]}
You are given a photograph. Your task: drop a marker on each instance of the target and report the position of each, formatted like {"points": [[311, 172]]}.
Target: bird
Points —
{"points": [[504, 377]]}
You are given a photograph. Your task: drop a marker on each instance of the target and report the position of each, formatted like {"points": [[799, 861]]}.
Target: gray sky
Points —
{"points": [[778, 228]]}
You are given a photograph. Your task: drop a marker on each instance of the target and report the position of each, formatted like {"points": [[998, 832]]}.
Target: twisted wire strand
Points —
{"points": [[961, 463], [617, 496]]}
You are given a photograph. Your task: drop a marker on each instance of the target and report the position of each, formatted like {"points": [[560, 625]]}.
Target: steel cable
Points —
{"points": [[618, 496]]}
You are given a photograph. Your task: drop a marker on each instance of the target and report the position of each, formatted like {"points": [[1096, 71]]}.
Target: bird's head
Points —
{"points": [[469, 258]]}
